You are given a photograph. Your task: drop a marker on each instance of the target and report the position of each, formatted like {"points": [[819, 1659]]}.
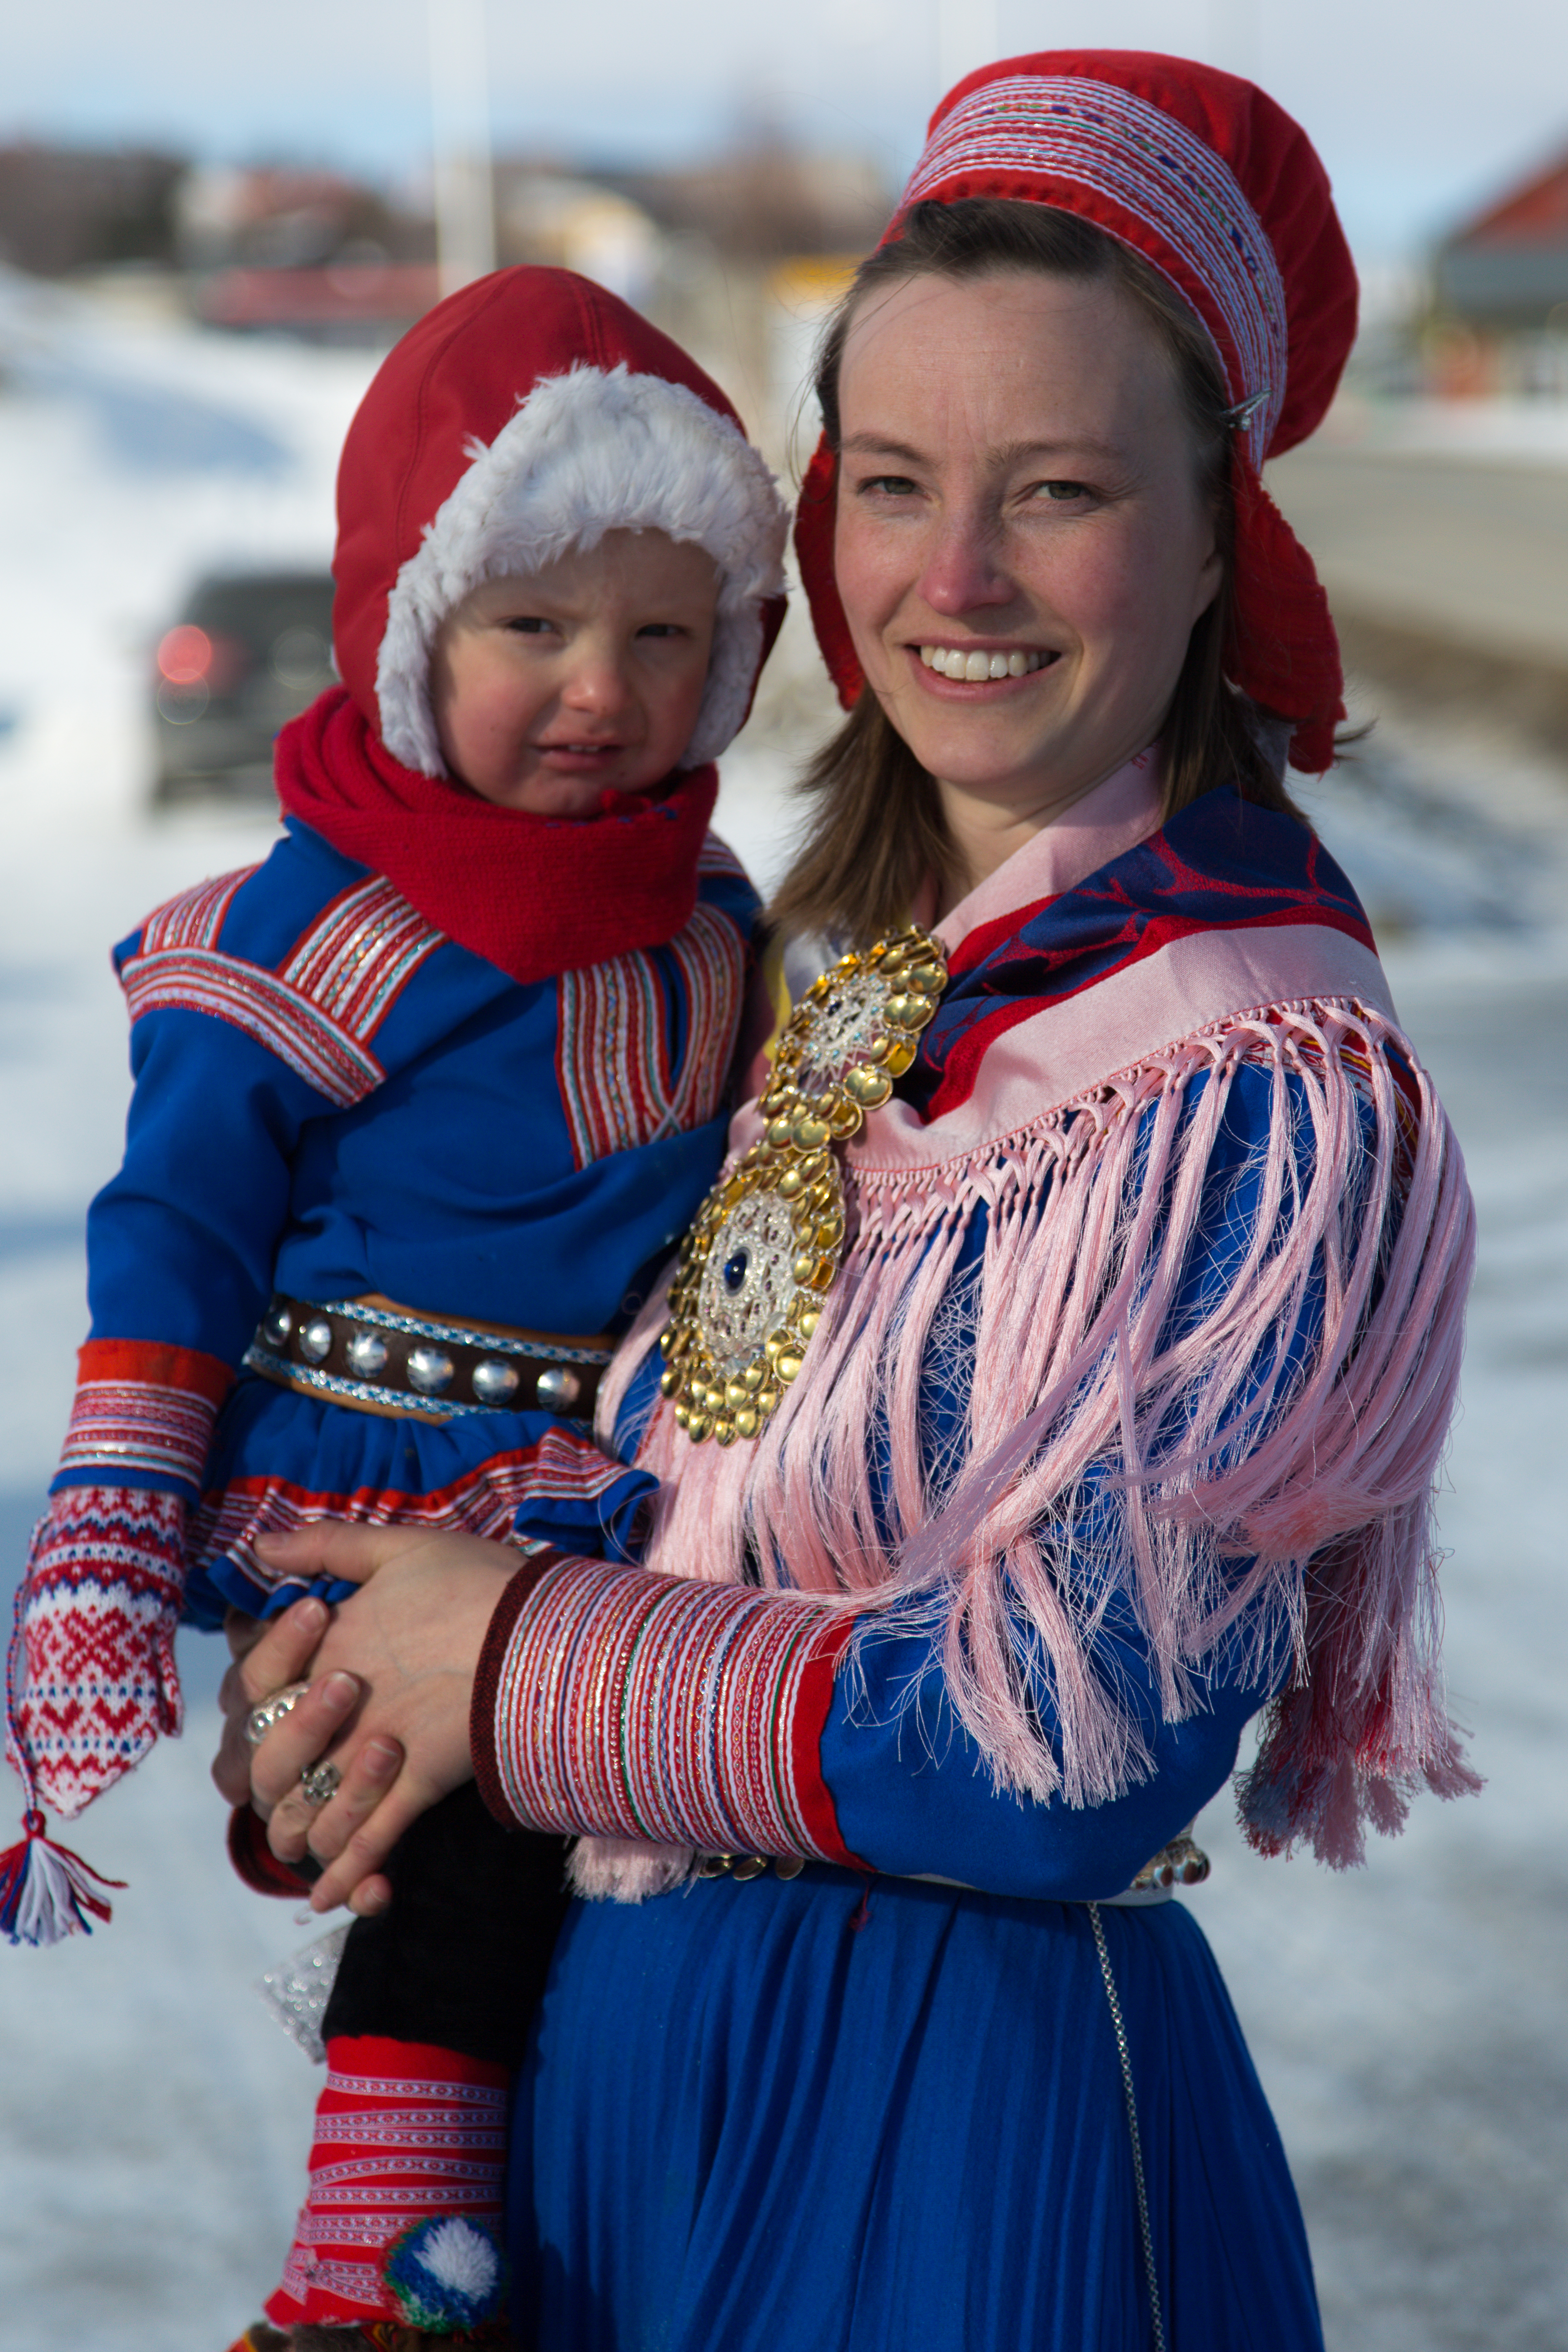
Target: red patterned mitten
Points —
{"points": [[92, 1678], [402, 2217]]}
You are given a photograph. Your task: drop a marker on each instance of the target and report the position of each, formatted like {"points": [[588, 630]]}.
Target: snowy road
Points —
{"points": [[1407, 2020]]}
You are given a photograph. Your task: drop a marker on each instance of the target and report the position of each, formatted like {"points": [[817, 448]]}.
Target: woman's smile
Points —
{"points": [[972, 665]]}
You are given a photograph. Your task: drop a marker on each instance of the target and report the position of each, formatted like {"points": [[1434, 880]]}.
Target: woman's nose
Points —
{"points": [[963, 571]]}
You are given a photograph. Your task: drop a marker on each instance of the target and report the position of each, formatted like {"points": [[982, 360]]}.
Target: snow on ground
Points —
{"points": [[1406, 2020]]}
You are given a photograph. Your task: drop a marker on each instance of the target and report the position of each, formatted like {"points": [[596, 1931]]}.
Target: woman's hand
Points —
{"points": [[391, 1683]]}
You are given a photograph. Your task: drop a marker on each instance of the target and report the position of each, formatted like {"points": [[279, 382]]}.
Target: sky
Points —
{"points": [[1421, 107]]}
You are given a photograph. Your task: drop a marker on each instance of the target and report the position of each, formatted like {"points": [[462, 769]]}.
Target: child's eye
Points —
{"points": [[529, 624], [660, 629]]}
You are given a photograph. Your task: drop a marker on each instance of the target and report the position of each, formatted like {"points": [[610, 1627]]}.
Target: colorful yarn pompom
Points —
{"points": [[446, 2274]]}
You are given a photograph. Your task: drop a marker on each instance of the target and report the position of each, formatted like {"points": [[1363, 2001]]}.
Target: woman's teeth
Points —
{"points": [[952, 661]]}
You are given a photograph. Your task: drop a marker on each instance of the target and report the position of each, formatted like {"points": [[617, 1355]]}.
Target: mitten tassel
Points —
{"points": [[46, 1892]]}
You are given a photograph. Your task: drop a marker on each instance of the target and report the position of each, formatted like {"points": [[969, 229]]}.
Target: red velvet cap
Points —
{"points": [[1215, 184]]}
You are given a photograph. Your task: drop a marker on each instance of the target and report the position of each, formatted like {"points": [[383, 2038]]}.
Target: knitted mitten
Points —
{"points": [[93, 1679], [402, 2217]]}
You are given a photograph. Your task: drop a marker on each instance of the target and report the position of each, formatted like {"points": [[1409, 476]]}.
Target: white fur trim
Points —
{"points": [[588, 452]]}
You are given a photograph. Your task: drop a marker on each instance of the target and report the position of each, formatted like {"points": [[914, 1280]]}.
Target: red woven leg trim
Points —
{"points": [[403, 2130]]}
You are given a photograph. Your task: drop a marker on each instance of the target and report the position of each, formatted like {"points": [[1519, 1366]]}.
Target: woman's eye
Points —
{"points": [[1060, 493], [890, 486]]}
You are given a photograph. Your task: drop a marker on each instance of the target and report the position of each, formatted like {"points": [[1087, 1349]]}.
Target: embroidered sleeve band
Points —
{"points": [[142, 1410], [613, 1702]]}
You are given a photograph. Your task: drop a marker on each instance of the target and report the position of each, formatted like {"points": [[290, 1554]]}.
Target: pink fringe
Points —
{"points": [[1087, 1246]]}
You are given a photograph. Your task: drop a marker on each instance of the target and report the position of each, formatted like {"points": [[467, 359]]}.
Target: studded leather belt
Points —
{"points": [[379, 1357]]}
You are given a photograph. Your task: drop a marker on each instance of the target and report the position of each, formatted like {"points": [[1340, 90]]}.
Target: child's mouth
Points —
{"points": [[591, 755]]}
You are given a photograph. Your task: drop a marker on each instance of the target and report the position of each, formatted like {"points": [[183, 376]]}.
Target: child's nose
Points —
{"points": [[598, 682]]}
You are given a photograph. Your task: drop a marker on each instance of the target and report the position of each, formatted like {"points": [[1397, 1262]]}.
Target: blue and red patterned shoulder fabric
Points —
{"points": [[1221, 864]]}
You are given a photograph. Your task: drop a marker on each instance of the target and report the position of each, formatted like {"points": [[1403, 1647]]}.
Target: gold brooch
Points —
{"points": [[767, 1242]]}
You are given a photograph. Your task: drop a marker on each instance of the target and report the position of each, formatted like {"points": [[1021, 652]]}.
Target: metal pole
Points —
{"points": [[460, 128], [966, 37]]}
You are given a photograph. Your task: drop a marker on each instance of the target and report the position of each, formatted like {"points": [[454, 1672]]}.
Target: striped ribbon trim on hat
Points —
{"points": [[1148, 166], [629, 1704]]}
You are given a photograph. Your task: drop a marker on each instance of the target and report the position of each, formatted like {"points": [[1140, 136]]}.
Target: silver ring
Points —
{"points": [[319, 1781], [272, 1710]]}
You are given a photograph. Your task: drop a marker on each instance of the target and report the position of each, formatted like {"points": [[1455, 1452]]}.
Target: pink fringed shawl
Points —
{"points": [[1087, 1136]]}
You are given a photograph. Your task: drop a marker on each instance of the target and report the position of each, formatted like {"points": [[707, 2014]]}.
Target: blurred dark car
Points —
{"points": [[249, 650]]}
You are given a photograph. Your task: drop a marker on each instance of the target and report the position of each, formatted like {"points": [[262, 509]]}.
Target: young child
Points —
{"points": [[422, 1102]]}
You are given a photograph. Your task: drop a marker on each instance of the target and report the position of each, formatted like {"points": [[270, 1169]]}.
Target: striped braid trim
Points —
{"points": [[1143, 163], [304, 1039], [716, 856], [618, 1086], [484, 1502], [611, 1702], [196, 919], [360, 955], [318, 1014], [142, 1408]]}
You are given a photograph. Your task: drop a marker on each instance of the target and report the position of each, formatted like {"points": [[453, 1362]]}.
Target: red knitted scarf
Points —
{"points": [[534, 895]]}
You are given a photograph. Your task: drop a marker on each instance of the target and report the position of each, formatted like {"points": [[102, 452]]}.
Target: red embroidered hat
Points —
{"points": [[1212, 183], [524, 416]]}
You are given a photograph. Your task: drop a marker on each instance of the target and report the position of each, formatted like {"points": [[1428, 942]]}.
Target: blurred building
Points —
{"points": [[739, 258], [1500, 294], [308, 253], [64, 210]]}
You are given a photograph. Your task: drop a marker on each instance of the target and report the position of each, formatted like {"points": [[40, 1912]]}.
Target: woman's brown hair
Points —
{"points": [[875, 828]]}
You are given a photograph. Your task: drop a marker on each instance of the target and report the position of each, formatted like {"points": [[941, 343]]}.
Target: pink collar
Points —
{"points": [[1105, 824]]}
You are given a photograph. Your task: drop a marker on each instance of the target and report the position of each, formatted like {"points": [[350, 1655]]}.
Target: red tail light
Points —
{"points": [[185, 654]]}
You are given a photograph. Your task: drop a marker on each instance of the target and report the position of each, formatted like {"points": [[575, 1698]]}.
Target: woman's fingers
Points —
{"points": [[298, 1826], [332, 1548], [280, 1653], [369, 1847], [316, 1720]]}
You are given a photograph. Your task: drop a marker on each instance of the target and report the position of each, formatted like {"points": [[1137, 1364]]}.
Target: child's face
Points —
{"points": [[583, 677]]}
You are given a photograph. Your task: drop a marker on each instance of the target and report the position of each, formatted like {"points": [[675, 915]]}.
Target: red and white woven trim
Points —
{"points": [[390, 2148], [716, 856], [320, 1011], [619, 1086], [204, 980], [143, 1408], [1146, 163], [195, 918], [360, 955], [120, 1425], [486, 1502], [615, 1703]]}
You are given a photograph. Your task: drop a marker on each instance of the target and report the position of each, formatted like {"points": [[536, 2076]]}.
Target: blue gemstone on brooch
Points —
{"points": [[735, 1270]]}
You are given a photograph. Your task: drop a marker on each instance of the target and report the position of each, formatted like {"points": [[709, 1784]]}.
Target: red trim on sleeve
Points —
{"points": [[149, 1361], [813, 1702], [482, 1743], [255, 1861]]}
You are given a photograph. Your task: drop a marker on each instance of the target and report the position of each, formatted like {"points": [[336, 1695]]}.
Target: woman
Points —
{"points": [[1056, 1381]]}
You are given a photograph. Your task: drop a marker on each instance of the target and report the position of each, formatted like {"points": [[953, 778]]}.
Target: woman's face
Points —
{"points": [[1017, 493]]}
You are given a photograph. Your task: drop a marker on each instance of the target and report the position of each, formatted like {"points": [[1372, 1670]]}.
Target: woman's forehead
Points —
{"points": [[1017, 353]]}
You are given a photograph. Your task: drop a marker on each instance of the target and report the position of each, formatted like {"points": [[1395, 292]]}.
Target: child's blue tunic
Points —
{"points": [[522, 1155]]}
